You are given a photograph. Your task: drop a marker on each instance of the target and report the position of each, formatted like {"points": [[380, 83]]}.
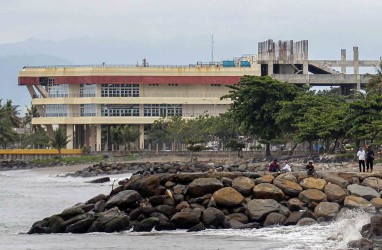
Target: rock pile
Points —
{"points": [[196, 201], [17, 165], [12, 165], [149, 168]]}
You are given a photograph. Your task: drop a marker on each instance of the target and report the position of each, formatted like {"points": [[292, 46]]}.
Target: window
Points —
{"points": [[120, 90], [120, 110], [88, 109], [215, 85], [162, 110], [57, 90], [56, 110], [88, 90]]}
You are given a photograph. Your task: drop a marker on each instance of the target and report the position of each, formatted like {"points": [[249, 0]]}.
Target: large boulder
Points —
{"points": [[185, 220], [313, 183], [357, 202], [146, 186], [335, 193], [373, 182], [295, 204], [265, 179], [112, 220], [228, 197], [288, 187], [81, 226], [312, 195], [123, 199], [274, 219], [365, 192], [212, 217], [377, 203], [241, 217], [267, 191], [326, 208], [258, 209], [295, 217], [243, 184], [146, 225], [334, 179], [202, 186], [287, 176]]}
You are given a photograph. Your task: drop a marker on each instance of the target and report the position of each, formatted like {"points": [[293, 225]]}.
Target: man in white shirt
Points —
{"points": [[286, 168], [361, 159]]}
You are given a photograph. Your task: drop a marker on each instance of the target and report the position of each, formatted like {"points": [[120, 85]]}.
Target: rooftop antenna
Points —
{"points": [[212, 48]]}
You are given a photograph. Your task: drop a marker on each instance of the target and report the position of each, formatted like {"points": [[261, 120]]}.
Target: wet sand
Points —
{"points": [[61, 169]]}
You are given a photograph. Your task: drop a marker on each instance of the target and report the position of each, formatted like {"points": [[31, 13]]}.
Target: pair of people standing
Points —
{"points": [[367, 156]]}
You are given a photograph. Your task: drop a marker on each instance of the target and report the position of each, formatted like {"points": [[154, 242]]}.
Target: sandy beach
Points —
{"points": [[61, 169]]}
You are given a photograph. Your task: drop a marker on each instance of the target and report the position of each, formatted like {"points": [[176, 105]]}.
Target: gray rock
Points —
{"points": [[367, 193], [258, 209], [202, 186], [212, 217], [123, 199]]}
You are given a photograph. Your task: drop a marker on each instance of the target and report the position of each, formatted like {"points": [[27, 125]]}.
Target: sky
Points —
{"points": [[180, 31]]}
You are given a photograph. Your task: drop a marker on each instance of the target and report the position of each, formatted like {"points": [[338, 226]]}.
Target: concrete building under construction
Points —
{"points": [[85, 100]]}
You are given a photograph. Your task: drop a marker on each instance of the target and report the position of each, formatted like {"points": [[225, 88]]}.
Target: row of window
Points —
{"points": [[158, 110], [119, 90]]}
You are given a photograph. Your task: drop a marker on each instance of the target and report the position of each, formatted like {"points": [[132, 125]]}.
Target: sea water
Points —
{"points": [[27, 196]]}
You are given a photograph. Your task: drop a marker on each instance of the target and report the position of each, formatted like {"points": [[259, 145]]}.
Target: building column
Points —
{"points": [[98, 138], [142, 136], [356, 66], [343, 61], [69, 133], [92, 138]]}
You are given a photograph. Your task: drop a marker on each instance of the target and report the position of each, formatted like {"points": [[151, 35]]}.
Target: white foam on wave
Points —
{"points": [[333, 235]]}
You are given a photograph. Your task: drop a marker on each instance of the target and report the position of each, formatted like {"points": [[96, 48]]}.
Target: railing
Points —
{"points": [[156, 94], [97, 114]]}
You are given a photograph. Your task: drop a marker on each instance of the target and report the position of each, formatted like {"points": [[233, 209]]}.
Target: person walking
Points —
{"points": [[369, 158], [361, 154]]}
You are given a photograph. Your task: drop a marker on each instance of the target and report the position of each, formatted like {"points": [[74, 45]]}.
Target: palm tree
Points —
{"points": [[59, 140], [12, 113], [375, 82], [32, 112]]}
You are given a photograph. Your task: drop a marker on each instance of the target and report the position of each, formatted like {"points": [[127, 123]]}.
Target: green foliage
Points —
{"points": [[124, 135], [236, 145], [60, 140], [256, 102]]}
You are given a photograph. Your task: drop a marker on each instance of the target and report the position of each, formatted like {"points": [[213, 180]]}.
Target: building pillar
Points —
{"points": [[98, 138], [356, 67], [69, 133], [343, 61], [142, 136], [270, 51], [92, 138]]}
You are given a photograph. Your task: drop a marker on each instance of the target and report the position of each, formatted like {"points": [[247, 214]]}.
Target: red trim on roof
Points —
{"points": [[225, 80]]}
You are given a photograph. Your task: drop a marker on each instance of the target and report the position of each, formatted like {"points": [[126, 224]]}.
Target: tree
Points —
{"points": [[256, 101], [129, 134], [158, 132], [60, 140], [236, 145], [375, 82], [12, 113], [364, 116]]}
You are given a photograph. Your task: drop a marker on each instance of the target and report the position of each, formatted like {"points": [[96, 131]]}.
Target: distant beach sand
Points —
{"points": [[61, 169]]}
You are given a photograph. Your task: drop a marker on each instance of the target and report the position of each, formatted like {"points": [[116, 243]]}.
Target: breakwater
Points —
{"points": [[218, 199]]}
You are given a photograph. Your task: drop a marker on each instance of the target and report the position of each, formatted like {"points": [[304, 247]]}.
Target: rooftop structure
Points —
{"points": [[86, 100]]}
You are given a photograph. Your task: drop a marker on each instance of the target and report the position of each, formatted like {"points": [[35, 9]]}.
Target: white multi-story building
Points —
{"points": [[86, 100]]}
